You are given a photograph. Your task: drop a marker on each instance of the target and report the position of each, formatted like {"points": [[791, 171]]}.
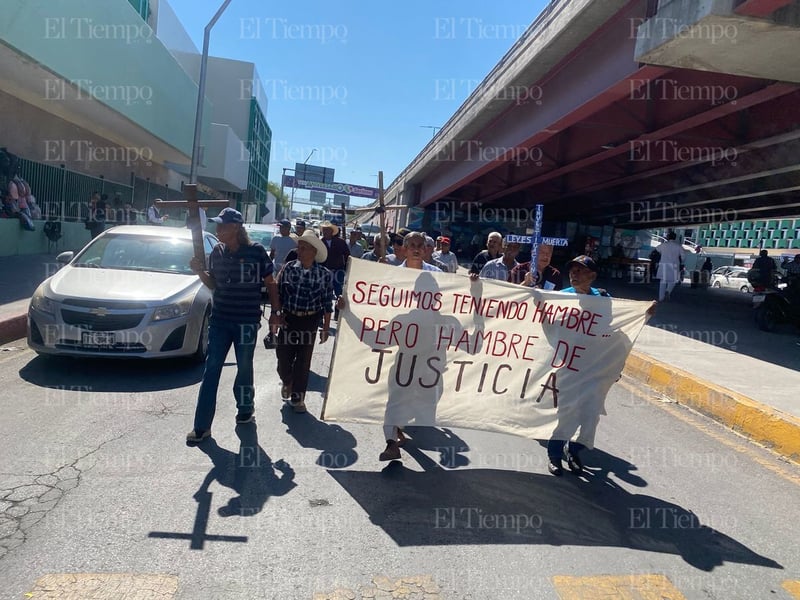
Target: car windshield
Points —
{"points": [[261, 234], [138, 253]]}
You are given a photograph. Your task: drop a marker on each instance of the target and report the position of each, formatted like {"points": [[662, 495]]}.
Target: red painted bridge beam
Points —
{"points": [[760, 8]]}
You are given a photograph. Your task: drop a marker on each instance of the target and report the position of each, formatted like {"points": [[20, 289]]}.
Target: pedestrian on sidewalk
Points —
{"points": [[304, 299], [670, 266], [237, 269], [96, 215]]}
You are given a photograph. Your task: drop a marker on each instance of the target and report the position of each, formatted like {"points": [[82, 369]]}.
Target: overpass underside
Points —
{"points": [[660, 115]]}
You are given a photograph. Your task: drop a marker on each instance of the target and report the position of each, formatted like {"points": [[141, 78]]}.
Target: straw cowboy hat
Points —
{"points": [[329, 225], [311, 238]]}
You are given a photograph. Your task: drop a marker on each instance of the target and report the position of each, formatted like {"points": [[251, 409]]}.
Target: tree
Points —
{"points": [[282, 200]]}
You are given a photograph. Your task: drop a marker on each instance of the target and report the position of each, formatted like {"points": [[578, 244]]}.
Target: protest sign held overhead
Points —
{"points": [[436, 349]]}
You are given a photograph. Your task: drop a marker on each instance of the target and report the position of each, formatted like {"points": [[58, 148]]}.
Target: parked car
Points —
{"points": [[129, 293], [733, 279], [726, 270], [262, 234]]}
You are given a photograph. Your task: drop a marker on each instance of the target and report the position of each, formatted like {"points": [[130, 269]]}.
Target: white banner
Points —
{"points": [[423, 348]]}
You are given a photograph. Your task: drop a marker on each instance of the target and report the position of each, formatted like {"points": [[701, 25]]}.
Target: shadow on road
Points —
{"points": [[487, 506], [250, 473], [338, 445], [107, 375]]}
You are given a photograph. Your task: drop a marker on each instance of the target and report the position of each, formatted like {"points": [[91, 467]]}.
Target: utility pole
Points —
{"points": [[291, 202], [201, 93]]}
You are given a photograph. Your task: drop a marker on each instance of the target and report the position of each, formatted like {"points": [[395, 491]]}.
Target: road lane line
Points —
{"points": [[619, 587]]}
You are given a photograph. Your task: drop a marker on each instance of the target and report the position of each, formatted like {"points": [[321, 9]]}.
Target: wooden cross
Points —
{"points": [[193, 204], [198, 537]]}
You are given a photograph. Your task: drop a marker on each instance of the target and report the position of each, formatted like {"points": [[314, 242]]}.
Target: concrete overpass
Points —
{"points": [[637, 113]]}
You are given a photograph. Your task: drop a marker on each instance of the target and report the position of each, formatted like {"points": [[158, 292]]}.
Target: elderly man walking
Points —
{"points": [[237, 269], [305, 299]]}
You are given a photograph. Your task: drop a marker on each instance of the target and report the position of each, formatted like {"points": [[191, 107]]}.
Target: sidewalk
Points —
{"points": [[701, 349]]}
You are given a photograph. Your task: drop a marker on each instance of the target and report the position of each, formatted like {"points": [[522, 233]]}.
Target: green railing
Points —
{"points": [[62, 194]]}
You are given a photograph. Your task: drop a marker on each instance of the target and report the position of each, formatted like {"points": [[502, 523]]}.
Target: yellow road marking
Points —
{"points": [[104, 586], [616, 587], [793, 587], [696, 420]]}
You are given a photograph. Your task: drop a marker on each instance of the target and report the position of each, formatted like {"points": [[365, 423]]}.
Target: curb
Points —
{"points": [[762, 424], [13, 328]]}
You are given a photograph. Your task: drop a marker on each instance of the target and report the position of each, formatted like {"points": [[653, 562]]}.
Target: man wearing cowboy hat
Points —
{"points": [[338, 253], [305, 295]]}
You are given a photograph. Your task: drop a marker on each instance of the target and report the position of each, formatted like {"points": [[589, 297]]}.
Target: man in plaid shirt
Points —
{"points": [[305, 292]]}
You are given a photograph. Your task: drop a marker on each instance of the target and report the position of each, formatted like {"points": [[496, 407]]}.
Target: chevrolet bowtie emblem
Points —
{"points": [[100, 311]]}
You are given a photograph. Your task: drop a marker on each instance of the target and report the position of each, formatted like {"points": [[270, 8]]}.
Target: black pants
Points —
{"points": [[294, 346]]}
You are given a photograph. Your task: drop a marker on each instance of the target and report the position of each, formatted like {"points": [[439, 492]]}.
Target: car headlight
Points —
{"points": [[171, 311], [43, 304]]}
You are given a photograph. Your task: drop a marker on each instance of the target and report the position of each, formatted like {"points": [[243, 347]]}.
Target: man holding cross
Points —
{"points": [[237, 269]]}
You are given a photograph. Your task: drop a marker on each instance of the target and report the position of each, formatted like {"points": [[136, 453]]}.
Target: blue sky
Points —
{"points": [[357, 80]]}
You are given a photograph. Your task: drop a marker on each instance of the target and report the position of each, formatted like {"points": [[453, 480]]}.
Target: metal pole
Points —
{"points": [[291, 202], [201, 93]]}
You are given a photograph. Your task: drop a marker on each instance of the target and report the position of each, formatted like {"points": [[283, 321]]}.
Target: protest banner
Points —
{"points": [[436, 349]]}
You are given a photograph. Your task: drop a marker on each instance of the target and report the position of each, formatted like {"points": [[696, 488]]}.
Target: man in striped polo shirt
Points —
{"points": [[237, 269]]}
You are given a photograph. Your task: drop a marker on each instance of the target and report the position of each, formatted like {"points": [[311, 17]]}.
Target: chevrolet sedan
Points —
{"points": [[128, 293]]}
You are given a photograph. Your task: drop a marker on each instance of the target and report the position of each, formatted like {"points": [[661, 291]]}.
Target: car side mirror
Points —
{"points": [[65, 257]]}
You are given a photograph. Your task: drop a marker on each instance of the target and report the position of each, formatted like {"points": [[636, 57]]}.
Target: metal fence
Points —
{"points": [[63, 194]]}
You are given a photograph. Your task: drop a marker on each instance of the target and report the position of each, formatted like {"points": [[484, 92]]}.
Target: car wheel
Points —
{"points": [[716, 284], [202, 341], [744, 289]]}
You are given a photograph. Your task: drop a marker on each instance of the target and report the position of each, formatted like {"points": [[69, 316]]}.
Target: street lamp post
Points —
{"points": [[201, 93], [291, 202]]}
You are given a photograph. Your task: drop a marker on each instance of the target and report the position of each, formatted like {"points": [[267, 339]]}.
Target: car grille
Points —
{"points": [[113, 304], [120, 347], [108, 322]]}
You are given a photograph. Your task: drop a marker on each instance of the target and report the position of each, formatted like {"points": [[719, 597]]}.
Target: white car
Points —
{"points": [[129, 293], [734, 279]]}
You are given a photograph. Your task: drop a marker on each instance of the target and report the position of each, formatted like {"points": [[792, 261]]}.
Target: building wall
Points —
{"points": [[43, 137], [118, 61]]}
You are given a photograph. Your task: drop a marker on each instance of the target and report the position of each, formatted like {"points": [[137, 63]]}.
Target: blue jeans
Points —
{"points": [[221, 335]]}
